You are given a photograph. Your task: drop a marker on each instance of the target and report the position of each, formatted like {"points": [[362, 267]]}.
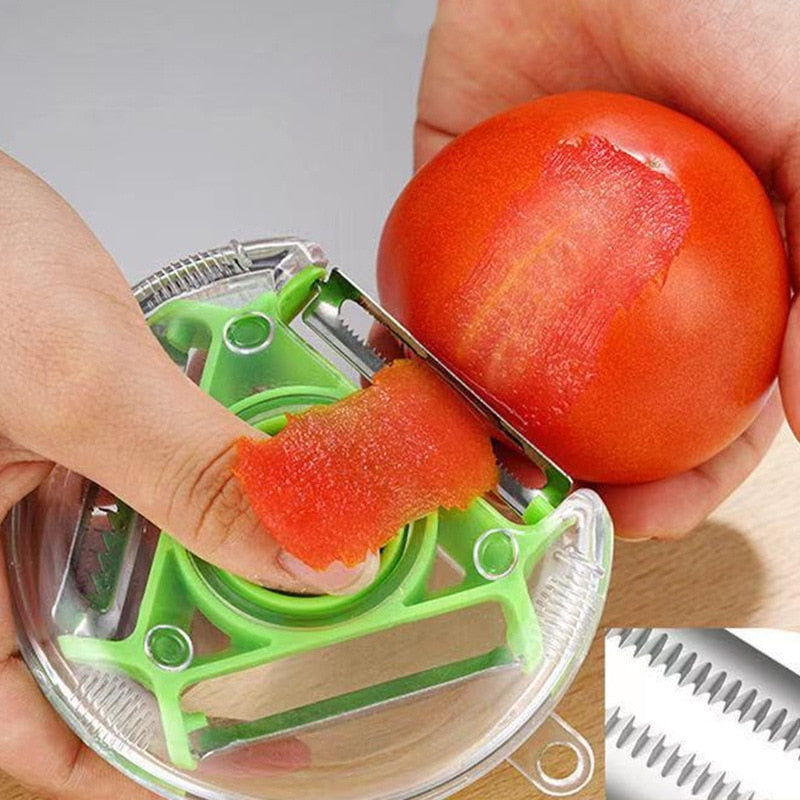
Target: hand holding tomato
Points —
{"points": [[733, 71]]}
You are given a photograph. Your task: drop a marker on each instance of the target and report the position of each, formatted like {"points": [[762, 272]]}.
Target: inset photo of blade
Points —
{"points": [[702, 714]]}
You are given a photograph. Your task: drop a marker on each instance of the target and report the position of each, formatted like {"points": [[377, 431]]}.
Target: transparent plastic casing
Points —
{"points": [[81, 569]]}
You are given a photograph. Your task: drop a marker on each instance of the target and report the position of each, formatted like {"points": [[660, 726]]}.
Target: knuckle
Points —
{"points": [[222, 511], [69, 774]]}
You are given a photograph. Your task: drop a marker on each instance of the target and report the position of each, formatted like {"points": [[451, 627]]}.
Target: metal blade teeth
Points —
{"points": [[275, 260], [323, 315], [328, 323], [688, 770], [511, 490], [717, 685], [359, 343]]}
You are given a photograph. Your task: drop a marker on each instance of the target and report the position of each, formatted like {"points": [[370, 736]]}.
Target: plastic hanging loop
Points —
{"points": [[528, 759]]}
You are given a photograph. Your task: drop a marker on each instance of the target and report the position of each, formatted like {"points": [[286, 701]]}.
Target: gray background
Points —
{"points": [[174, 126]]}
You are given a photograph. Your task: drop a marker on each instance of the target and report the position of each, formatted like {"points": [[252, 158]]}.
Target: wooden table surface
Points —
{"points": [[740, 569]]}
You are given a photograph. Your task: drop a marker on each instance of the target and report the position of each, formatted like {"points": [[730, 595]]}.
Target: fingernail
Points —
{"points": [[636, 539], [336, 579]]}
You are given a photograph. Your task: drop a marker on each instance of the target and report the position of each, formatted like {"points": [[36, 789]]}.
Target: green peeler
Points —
{"points": [[142, 626]]}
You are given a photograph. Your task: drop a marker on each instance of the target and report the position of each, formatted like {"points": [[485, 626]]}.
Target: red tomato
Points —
{"points": [[605, 270]]}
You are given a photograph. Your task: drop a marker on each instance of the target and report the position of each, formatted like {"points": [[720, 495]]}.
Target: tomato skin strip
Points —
{"points": [[339, 481]]}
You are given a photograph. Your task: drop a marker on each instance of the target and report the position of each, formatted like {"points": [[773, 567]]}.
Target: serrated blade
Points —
{"points": [[698, 714], [326, 320], [97, 574], [509, 489], [636, 748], [323, 314]]}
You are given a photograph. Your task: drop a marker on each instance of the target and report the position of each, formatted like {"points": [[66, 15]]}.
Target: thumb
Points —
{"points": [[84, 383], [153, 438]]}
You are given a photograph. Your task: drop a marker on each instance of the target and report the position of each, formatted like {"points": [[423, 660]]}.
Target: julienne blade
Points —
{"points": [[274, 259]]}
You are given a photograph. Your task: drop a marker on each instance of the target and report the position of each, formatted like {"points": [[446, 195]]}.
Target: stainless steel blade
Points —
{"points": [[700, 714], [326, 321], [642, 763], [123, 707], [325, 318], [323, 314], [112, 569]]}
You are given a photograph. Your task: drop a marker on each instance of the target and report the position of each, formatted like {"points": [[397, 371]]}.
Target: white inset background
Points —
{"points": [[781, 646]]}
